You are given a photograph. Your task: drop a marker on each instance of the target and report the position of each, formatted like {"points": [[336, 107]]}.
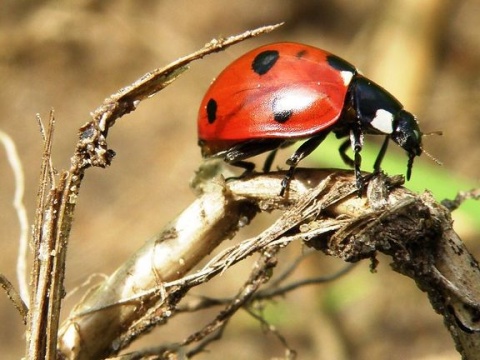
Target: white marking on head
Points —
{"points": [[383, 121], [346, 77]]}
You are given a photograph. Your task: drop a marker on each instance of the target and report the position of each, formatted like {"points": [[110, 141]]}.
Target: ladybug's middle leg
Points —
{"points": [[356, 139], [267, 165], [343, 153], [354, 163], [303, 151]]}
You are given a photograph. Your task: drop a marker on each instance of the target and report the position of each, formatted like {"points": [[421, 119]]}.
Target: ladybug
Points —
{"points": [[280, 93]]}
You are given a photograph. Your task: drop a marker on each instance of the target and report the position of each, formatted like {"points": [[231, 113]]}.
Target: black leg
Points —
{"points": [[269, 160], [381, 155], [357, 137], [267, 165], [358, 174], [248, 166], [356, 133], [236, 154], [343, 153], [303, 151], [248, 149]]}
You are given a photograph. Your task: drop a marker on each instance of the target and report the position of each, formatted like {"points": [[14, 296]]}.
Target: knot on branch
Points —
{"points": [[92, 148]]}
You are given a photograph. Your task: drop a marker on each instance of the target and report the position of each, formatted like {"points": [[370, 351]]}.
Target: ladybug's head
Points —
{"points": [[407, 134]]}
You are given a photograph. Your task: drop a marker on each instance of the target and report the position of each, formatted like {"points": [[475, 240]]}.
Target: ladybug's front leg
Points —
{"points": [[381, 155]]}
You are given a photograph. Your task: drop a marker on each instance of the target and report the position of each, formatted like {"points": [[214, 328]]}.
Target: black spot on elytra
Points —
{"points": [[339, 64], [264, 61], [301, 53], [280, 113], [282, 116], [211, 111]]}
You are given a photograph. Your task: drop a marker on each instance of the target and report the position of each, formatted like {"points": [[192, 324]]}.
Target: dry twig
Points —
{"points": [[323, 211], [56, 202]]}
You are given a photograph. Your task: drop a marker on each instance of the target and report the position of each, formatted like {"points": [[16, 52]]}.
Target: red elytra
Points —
{"points": [[246, 100], [280, 93]]}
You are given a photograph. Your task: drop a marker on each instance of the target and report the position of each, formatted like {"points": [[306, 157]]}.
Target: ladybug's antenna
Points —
{"points": [[438, 162], [411, 156], [438, 132]]}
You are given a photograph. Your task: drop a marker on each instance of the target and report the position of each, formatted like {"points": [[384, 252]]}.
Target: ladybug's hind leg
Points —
{"points": [[237, 153], [247, 165], [303, 151]]}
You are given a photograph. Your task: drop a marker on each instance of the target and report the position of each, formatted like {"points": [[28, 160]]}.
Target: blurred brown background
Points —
{"points": [[71, 55]]}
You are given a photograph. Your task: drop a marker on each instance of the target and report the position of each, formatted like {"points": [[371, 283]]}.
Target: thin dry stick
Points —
{"points": [[258, 276], [17, 170], [40, 332], [290, 354], [462, 196], [14, 297], [274, 289]]}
